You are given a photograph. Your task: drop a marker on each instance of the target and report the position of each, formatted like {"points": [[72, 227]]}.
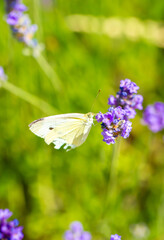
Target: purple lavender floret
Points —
{"points": [[127, 98], [5, 214], [130, 112], [3, 76], [76, 232], [126, 129], [68, 235], [9, 230], [113, 124], [128, 86], [153, 116], [115, 237], [86, 236], [99, 117], [76, 226], [137, 102], [20, 7], [20, 23], [13, 18]]}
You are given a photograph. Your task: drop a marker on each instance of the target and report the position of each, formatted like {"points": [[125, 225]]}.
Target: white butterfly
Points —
{"points": [[68, 130]]}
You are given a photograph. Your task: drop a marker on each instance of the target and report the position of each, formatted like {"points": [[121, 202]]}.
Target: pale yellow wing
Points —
{"points": [[73, 135], [43, 126], [66, 131], [81, 135], [70, 130]]}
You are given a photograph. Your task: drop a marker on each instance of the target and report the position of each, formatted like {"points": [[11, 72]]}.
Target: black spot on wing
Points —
{"points": [[51, 128]]}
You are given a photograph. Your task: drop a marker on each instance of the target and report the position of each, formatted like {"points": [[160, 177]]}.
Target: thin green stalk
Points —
{"points": [[115, 153], [111, 182], [49, 71], [159, 230], [112, 174], [160, 212], [42, 61], [38, 18], [28, 97]]}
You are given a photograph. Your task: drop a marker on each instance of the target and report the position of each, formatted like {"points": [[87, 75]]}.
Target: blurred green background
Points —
{"points": [[47, 189]]}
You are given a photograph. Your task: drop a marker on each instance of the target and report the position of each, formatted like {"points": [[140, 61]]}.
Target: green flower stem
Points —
{"points": [[28, 97], [115, 154], [159, 222], [38, 18], [160, 211], [42, 61], [112, 174], [48, 70], [111, 183]]}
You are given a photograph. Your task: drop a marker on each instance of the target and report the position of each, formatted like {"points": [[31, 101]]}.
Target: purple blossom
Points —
{"points": [[5, 214], [13, 18], [86, 236], [68, 235], [76, 227], [153, 116], [130, 112], [17, 234], [3, 76], [9, 230], [76, 232], [126, 129], [115, 237], [128, 86], [20, 23], [112, 100], [114, 124], [20, 7], [108, 136], [108, 118], [137, 102], [99, 117], [119, 112], [127, 98]]}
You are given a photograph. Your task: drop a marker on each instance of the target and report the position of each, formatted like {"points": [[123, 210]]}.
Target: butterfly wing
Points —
{"points": [[43, 126], [81, 135], [70, 130]]}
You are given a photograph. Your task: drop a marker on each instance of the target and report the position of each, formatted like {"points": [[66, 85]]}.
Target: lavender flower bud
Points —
{"points": [[9, 230], [115, 237], [153, 116], [76, 232], [20, 24], [127, 98], [114, 124]]}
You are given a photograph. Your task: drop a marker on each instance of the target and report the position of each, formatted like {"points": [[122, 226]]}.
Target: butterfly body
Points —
{"points": [[68, 130]]}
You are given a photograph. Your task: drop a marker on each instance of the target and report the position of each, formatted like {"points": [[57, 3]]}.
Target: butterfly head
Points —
{"points": [[89, 118], [90, 115]]}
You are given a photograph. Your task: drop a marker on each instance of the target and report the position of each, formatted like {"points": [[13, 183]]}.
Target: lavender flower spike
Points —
{"points": [[115, 237], [76, 232], [114, 124], [20, 24], [153, 116], [9, 230], [127, 98]]}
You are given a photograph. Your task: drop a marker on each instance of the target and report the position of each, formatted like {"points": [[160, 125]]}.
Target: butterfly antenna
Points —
{"points": [[95, 99]]}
